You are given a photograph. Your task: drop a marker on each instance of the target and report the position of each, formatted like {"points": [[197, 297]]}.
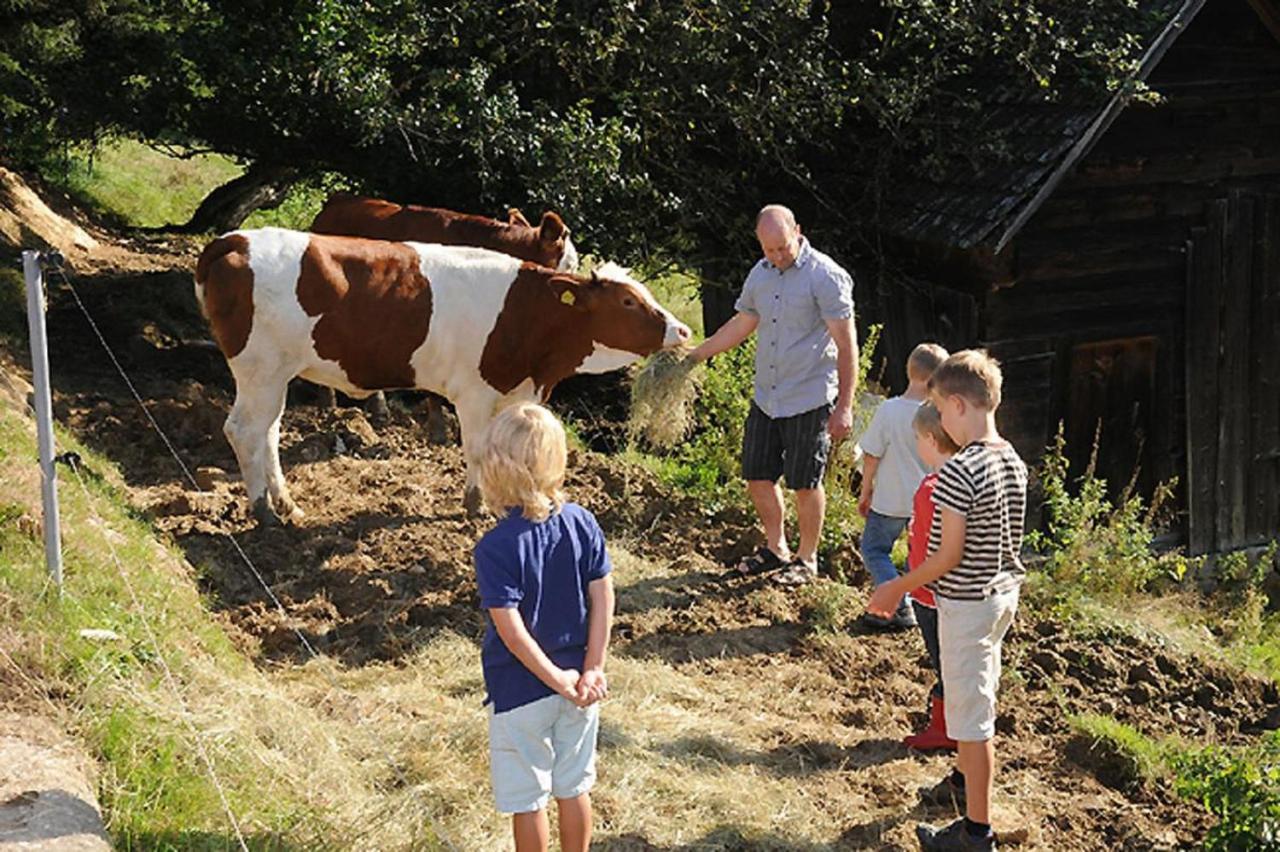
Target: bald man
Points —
{"points": [[800, 304]]}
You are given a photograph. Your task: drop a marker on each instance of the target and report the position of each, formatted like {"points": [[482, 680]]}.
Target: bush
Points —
{"points": [[1095, 547], [829, 606], [1241, 787]]}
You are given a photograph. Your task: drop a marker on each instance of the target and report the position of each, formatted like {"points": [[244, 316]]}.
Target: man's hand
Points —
{"points": [[592, 687], [864, 502], [884, 600], [840, 423]]}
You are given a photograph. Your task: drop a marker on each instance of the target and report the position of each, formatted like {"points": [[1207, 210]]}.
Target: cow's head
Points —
{"points": [[624, 321], [553, 235]]}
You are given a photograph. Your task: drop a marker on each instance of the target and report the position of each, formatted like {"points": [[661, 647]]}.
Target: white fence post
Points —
{"points": [[44, 413]]}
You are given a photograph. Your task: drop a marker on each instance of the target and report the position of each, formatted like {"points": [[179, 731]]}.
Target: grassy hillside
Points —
{"points": [[136, 185]]}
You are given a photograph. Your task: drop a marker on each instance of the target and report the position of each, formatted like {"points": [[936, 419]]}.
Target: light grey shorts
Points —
{"points": [[969, 637], [542, 749]]}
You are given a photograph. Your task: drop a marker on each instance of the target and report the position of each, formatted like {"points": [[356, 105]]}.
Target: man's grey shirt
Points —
{"points": [[795, 355]]}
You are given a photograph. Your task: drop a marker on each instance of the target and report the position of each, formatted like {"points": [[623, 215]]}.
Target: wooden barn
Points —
{"points": [[1123, 262]]}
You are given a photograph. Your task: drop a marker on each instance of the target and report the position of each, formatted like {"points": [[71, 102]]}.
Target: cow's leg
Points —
{"points": [[253, 430], [278, 490], [377, 408], [474, 413], [328, 397]]}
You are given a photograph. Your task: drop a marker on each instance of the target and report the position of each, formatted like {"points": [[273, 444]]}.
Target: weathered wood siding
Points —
{"points": [[1102, 278]]}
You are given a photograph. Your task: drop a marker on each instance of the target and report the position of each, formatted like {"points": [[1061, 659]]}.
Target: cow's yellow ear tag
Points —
{"points": [[567, 297]]}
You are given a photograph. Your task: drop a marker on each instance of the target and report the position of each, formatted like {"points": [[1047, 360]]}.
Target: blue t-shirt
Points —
{"points": [[543, 569]]}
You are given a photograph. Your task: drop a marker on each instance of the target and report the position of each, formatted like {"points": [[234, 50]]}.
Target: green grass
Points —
{"points": [[1128, 757], [296, 775], [138, 185]]}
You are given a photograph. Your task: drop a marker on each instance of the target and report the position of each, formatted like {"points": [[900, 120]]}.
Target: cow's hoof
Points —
{"points": [[263, 515], [378, 409], [473, 502], [288, 512]]}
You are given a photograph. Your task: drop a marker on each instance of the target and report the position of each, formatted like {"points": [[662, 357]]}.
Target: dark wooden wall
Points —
{"points": [[1096, 325]]}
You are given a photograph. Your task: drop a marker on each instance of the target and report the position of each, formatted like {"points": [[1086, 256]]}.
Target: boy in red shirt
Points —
{"points": [[934, 446]]}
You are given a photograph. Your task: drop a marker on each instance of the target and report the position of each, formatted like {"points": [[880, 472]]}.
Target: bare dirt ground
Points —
{"points": [[382, 563]]}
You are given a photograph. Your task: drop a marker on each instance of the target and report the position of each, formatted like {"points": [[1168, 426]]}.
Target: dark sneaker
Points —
{"points": [[945, 794], [952, 838], [903, 619]]}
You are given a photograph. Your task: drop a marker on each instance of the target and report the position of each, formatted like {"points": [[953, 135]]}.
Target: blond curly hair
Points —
{"points": [[522, 462]]}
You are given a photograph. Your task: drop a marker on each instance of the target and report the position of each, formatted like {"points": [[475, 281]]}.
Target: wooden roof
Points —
{"points": [[985, 203]]}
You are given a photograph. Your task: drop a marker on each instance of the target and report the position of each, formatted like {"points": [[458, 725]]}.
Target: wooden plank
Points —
{"points": [[1112, 396], [1269, 12], [1204, 282], [1202, 166], [1264, 484], [1234, 455]]}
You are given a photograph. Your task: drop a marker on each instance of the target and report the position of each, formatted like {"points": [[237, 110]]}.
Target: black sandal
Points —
{"points": [[762, 561], [798, 573]]}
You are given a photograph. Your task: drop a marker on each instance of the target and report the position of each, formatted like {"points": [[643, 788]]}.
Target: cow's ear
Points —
{"points": [[515, 217], [569, 291], [552, 228]]}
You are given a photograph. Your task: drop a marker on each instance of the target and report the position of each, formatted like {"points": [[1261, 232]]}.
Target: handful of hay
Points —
{"points": [[662, 395]]}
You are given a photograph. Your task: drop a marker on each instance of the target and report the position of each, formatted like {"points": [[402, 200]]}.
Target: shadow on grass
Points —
{"points": [[676, 648], [720, 838], [786, 761], [207, 841]]}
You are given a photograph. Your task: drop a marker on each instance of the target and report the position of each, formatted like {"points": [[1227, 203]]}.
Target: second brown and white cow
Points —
{"points": [[480, 328], [548, 244]]}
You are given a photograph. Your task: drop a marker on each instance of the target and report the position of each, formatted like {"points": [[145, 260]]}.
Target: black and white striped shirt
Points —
{"points": [[987, 483]]}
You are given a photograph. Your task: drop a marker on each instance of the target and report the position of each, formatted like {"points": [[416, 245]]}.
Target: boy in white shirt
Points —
{"points": [[891, 473]]}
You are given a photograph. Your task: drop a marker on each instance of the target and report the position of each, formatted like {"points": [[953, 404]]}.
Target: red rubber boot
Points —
{"points": [[934, 737]]}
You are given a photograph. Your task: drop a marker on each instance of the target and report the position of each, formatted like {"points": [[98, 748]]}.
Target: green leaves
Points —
{"points": [[651, 125]]}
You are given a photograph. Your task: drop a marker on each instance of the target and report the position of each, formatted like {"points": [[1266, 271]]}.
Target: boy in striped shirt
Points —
{"points": [[975, 570]]}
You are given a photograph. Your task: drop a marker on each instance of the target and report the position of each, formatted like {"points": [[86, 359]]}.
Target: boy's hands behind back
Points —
{"points": [[592, 687], [583, 689], [567, 684]]}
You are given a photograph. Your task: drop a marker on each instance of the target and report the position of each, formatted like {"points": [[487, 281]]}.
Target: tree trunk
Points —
{"points": [[262, 186]]}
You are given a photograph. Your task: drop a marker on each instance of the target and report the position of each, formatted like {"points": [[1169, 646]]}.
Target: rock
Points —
{"points": [[207, 476], [1272, 720], [27, 222], [1140, 693], [1168, 666], [1048, 662], [179, 504], [1100, 667], [356, 430], [46, 800], [1046, 628], [1145, 673], [1206, 696], [315, 447]]}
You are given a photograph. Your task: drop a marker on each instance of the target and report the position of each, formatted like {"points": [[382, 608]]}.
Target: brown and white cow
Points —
{"points": [[480, 328], [357, 216], [350, 215]]}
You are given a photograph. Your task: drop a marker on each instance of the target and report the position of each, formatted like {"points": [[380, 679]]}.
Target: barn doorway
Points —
{"points": [[1233, 374]]}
